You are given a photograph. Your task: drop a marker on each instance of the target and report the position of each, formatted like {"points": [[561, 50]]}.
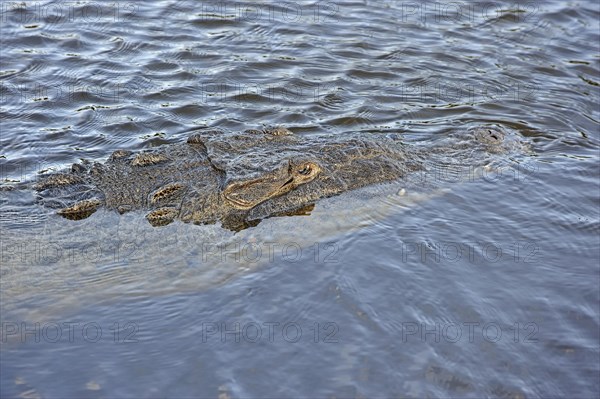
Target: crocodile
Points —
{"points": [[240, 178]]}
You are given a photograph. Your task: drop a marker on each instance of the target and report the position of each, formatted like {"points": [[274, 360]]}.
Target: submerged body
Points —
{"points": [[239, 179]]}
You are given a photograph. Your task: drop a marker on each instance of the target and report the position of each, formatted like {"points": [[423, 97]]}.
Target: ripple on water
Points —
{"points": [[84, 87]]}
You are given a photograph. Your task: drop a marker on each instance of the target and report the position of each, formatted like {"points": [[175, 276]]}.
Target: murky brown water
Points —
{"points": [[471, 287]]}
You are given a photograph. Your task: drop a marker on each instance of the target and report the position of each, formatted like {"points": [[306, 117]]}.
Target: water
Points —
{"points": [[479, 287]]}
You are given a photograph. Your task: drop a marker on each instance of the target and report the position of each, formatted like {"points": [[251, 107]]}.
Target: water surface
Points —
{"points": [[469, 287]]}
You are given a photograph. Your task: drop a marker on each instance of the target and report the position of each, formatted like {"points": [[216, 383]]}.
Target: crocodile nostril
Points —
{"points": [[493, 135]]}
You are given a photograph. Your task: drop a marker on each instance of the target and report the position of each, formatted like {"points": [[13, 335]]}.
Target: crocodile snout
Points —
{"points": [[248, 194]]}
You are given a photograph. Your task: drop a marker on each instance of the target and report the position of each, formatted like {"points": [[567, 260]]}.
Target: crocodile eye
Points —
{"points": [[305, 170]]}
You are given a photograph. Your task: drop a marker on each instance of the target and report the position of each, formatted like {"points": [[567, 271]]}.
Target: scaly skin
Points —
{"points": [[239, 178]]}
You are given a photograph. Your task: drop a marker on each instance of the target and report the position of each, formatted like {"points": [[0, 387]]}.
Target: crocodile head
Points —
{"points": [[246, 194], [259, 165], [277, 173]]}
